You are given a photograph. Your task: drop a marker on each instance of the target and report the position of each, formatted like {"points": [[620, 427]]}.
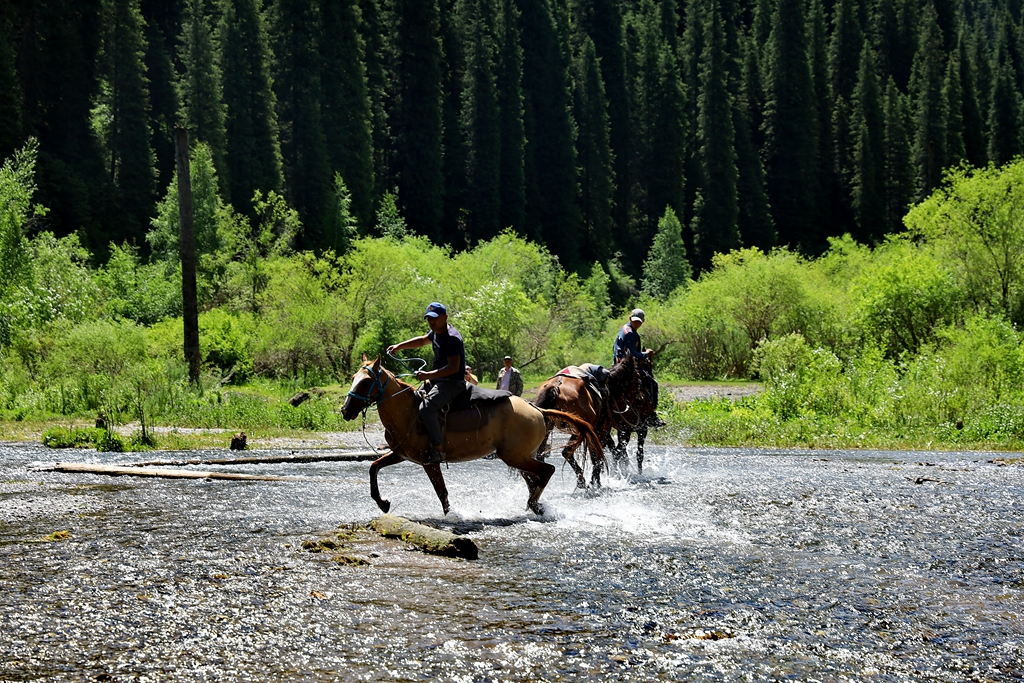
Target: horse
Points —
{"points": [[514, 432], [620, 404], [632, 416]]}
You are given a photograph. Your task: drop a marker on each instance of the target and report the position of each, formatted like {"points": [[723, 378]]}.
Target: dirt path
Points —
{"points": [[692, 392]]}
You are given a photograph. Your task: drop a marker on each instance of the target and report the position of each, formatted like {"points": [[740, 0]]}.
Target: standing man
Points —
{"points": [[447, 376], [509, 379], [628, 341]]}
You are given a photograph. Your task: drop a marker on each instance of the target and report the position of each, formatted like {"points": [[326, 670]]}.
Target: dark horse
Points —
{"points": [[634, 417], [605, 399], [514, 432]]}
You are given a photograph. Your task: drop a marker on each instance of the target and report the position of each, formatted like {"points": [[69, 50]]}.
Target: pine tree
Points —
{"points": [[253, 148], [868, 152], [899, 168], [308, 178], [58, 88], [602, 21], [691, 49], [668, 137], [552, 188], [715, 210], [510, 106], [956, 150], [417, 120], [10, 91], [1005, 116], [929, 104], [905, 42], [975, 148], [594, 153], [831, 197], [791, 142], [755, 218], [161, 28], [376, 29], [666, 267], [454, 145], [200, 89], [127, 135], [481, 120], [843, 61], [346, 106]]}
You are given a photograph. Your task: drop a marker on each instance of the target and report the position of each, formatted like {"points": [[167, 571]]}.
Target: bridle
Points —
{"points": [[377, 384]]}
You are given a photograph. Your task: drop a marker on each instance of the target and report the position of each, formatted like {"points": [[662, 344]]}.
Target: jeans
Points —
{"points": [[439, 395]]}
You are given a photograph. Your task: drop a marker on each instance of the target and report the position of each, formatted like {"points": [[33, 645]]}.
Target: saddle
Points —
{"points": [[594, 378], [469, 411]]}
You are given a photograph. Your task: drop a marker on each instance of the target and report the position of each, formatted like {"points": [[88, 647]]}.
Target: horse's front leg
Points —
{"points": [[620, 447], [433, 471], [641, 436], [377, 465]]}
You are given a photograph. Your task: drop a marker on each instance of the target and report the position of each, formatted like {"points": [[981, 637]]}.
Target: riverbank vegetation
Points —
{"points": [[541, 167], [913, 342]]}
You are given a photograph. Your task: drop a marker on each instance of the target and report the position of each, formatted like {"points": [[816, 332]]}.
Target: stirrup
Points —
{"points": [[434, 457]]}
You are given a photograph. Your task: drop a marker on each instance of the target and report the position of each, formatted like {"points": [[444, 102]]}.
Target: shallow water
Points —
{"points": [[717, 564]]}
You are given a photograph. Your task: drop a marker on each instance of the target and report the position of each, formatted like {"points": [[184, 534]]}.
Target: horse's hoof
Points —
{"points": [[537, 508], [384, 505]]}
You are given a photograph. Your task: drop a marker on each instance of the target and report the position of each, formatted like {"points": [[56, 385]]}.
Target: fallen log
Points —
{"points": [[358, 456], [426, 538], [119, 471]]}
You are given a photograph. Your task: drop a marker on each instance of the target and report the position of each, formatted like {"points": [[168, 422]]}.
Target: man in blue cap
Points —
{"points": [[447, 376]]}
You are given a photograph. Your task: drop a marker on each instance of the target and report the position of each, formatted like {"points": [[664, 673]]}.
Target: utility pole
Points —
{"points": [[187, 241]]}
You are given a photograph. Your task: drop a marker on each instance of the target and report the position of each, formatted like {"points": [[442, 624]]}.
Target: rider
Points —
{"points": [[628, 341], [447, 378]]}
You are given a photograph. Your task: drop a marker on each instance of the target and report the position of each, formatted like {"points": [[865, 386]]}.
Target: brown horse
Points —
{"points": [[514, 432], [619, 404]]}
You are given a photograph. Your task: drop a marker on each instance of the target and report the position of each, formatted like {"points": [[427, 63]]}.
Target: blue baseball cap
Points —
{"points": [[435, 310]]}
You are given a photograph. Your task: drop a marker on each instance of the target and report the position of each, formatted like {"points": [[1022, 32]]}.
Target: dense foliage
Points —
{"points": [[577, 123], [823, 194]]}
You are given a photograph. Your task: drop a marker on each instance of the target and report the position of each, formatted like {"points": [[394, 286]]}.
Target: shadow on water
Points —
{"points": [[719, 564]]}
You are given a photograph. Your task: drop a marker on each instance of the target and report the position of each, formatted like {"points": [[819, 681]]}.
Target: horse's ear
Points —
{"points": [[376, 363], [365, 358]]}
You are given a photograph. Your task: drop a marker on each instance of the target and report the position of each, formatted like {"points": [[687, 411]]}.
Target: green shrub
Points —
{"points": [[72, 437], [110, 442]]}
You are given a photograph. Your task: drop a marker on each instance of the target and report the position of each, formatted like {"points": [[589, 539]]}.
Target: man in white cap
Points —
{"points": [[447, 378], [628, 341], [510, 379]]}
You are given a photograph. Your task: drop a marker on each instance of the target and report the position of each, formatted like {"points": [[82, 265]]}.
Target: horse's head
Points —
{"points": [[367, 387], [626, 385]]}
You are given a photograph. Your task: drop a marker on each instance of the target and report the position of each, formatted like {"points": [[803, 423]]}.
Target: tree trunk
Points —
{"points": [[190, 303]]}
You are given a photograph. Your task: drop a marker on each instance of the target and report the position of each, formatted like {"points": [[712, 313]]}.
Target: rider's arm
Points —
{"points": [[413, 343], [448, 370]]}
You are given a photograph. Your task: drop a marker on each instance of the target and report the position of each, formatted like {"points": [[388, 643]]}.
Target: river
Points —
{"points": [[716, 564]]}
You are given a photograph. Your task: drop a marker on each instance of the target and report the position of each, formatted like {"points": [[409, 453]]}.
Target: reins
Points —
{"points": [[380, 386]]}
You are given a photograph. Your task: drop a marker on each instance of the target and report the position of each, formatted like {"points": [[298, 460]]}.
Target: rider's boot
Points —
{"points": [[434, 456]]}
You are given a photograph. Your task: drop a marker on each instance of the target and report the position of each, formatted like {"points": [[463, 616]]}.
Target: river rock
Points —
{"points": [[426, 538]]}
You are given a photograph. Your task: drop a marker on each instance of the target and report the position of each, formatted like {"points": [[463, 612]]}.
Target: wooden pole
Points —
{"points": [[358, 456], [190, 303], [120, 471]]}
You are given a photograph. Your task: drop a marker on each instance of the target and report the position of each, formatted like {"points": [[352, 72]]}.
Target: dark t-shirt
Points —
{"points": [[446, 346], [627, 341]]}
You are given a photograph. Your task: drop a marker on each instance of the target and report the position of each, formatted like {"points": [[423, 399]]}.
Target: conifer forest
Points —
{"points": [[577, 123]]}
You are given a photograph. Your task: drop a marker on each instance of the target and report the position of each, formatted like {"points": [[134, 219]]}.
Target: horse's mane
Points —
{"points": [[622, 373]]}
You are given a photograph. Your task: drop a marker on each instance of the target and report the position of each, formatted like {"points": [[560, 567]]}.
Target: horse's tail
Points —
{"points": [[583, 428], [547, 397]]}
